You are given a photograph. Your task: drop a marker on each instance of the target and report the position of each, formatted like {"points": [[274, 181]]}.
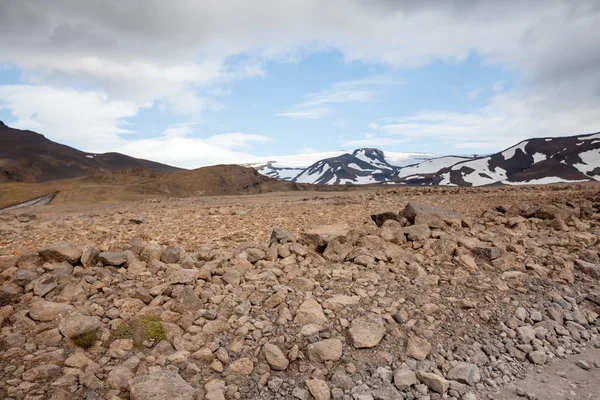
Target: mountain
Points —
{"points": [[26, 156], [532, 161], [362, 166]]}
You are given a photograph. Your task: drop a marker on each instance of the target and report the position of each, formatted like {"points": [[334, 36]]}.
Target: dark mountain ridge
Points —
{"points": [[27, 156]]}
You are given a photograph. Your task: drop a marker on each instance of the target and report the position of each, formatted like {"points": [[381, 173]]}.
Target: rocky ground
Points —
{"points": [[443, 294]]}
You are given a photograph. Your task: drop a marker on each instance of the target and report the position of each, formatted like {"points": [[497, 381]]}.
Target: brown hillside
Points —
{"points": [[142, 183]]}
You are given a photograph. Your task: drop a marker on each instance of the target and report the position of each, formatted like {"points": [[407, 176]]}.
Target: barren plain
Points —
{"points": [[453, 293]]}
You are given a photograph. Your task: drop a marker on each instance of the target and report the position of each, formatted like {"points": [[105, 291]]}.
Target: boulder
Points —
{"points": [[280, 236], [537, 357], [30, 260], [366, 331], [380, 218], [171, 255], [325, 350], [113, 258], [45, 311], [466, 373], [392, 231], [43, 285], [413, 209], [59, 252], [161, 385], [75, 324], [9, 294], [404, 378], [337, 249], [89, 256], [310, 312], [417, 232], [593, 270]]}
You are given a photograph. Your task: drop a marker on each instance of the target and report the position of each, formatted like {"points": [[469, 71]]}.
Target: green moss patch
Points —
{"points": [[148, 328], [85, 340]]}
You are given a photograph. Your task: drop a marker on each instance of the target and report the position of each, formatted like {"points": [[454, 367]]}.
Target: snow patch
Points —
{"points": [[537, 157], [591, 160], [446, 180], [480, 166], [595, 136], [510, 152], [89, 156], [544, 180], [430, 166]]}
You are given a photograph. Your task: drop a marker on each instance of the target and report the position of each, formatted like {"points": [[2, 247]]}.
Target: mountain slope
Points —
{"points": [[538, 160], [346, 169], [27, 156]]}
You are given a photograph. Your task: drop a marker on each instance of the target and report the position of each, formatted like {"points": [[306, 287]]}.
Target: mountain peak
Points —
{"points": [[370, 153], [2, 124]]}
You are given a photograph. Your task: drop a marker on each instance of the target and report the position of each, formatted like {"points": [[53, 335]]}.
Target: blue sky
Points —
{"points": [[199, 83]]}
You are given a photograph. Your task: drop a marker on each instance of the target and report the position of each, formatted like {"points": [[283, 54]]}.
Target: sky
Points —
{"points": [[193, 83]]}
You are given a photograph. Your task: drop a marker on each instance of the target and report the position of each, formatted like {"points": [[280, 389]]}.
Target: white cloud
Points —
{"points": [[138, 51], [474, 94], [93, 122], [310, 113], [84, 119], [499, 86], [191, 152], [508, 118], [356, 91]]}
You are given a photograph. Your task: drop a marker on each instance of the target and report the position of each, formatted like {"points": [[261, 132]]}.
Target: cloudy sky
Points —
{"points": [[194, 83]]}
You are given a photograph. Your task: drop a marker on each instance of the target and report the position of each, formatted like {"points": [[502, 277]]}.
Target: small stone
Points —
{"points": [[583, 365], [433, 381], [521, 313], [243, 366], [299, 393], [119, 377], [318, 389], [418, 348], [275, 357], [310, 312]]}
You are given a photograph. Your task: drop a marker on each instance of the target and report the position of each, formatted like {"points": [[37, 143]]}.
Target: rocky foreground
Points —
{"points": [[426, 303]]}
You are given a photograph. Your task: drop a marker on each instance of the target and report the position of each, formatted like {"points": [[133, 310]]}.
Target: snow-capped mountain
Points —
{"points": [[360, 166], [363, 166], [532, 161]]}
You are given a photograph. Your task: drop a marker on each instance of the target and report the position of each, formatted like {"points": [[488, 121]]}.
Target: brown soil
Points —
{"points": [[561, 380]]}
